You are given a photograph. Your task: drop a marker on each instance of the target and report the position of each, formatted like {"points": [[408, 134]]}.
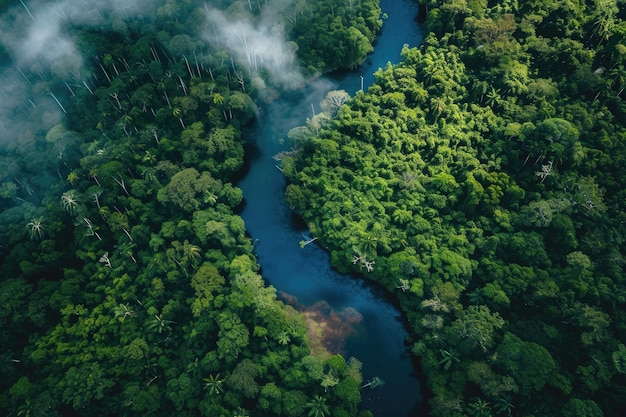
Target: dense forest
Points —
{"points": [[128, 284], [482, 181]]}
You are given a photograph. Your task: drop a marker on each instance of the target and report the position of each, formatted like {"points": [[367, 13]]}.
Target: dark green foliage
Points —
{"points": [[350, 27], [129, 286], [481, 180]]}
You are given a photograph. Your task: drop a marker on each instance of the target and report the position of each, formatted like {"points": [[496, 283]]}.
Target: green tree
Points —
{"points": [[233, 337], [36, 228], [84, 384], [448, 358], [243, 378], [69, 201], [185, 189], [476, 327], [158, 324], [479, 408], [317, 407], [213, 384], [530, 364]]}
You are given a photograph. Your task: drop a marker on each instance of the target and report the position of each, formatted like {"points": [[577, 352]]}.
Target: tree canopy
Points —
{"points": [[480, 180], [129, 285]]}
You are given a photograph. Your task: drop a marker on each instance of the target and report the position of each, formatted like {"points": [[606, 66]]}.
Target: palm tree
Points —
{"points": [[213, 384], [218, 99], [93, 173], [283, 338], [374, 383], [619, 79], [149, 158], [7, 362], [25, 409], [36, 229], [69, 202], [72, 177], [475, 297], [190, 253], [368, 245], [437, 105], [605, 21], [448, 358], [493, 97], [503, 406], [241, 412], [123, 311], [317, 407], [209, 198], [158, 324], [403, 284], [479, 408]]}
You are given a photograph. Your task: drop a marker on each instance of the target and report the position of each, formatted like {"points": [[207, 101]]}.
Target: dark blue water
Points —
{"points": [[374, 327]]}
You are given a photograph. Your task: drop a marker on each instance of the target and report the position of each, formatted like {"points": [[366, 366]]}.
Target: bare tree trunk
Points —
{"points": [[28, 11], [195, 57], [87, 87], [106, 73], [115, 96], [128, 234], [188, 67], [58, 102], [70, 88], [165, 96], [121, 184], [182, 84], [154, 54]]}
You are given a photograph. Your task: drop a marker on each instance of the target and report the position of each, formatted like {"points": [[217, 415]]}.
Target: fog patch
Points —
{"points": [[260, 46], [37, 36], [37, 33]]}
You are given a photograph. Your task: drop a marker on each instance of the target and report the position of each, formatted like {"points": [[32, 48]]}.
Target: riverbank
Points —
{"points": [[378, 338]]}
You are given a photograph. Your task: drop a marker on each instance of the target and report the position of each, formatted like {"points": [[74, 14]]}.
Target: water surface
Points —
{"points": [[367, 324]]}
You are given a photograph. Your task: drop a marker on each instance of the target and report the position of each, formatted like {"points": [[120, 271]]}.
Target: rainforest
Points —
{"points": [[481, 180], [478, 181]]}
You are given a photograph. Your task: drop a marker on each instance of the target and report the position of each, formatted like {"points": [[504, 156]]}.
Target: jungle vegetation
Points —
{"points": [[128, 284], [482, 181]]}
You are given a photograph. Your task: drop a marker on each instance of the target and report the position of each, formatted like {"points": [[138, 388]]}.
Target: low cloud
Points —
{"points": [[260, 45], [36, 33], [37, 36]]}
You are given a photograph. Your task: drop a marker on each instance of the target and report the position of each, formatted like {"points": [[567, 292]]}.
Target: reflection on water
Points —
{"points": [[328, 328]]}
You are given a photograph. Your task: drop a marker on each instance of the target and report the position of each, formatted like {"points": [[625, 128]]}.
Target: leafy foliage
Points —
{"points": [[129, 286], [480, 179]]}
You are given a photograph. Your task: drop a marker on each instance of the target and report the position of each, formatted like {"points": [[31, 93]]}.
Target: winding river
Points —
{"points": [[359, 316]]}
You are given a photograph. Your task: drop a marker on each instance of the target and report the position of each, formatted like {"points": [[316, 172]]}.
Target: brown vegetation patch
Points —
{"points": [[328, 329]]}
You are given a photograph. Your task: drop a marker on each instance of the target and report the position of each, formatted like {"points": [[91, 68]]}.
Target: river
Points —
{"points": [[362, 319]]}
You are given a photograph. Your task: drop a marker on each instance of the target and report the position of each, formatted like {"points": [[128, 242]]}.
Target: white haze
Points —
{"points": [[259, 46], [38, 38], [36, 33]]}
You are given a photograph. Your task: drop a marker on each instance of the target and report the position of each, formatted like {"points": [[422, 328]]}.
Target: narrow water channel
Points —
{"points": [[364, 322]]}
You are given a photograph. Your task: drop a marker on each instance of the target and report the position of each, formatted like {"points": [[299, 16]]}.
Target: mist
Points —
{"points": [[38, 32], [37, 37], [260, 46]]}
